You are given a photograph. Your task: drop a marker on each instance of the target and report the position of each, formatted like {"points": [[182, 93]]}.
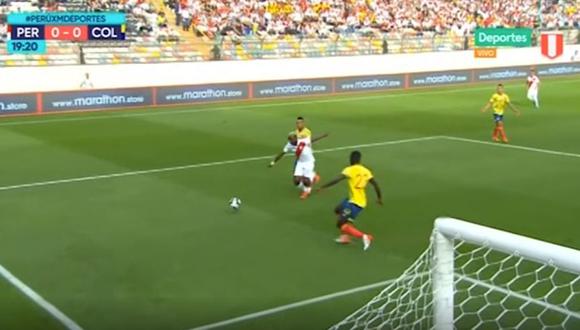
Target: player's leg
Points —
{"points": [[297, 178], [495, 135], [316, 177], [297, 181], [307, 179], [307, 187], [501, 130], [348, 212], [533, 97], [530, 95]]}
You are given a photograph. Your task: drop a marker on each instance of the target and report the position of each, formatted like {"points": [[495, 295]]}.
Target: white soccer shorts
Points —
{"points": [[532, 94], [305, 169]]}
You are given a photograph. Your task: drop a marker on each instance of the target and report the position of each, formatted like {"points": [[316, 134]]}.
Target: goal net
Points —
{"points": [[475, 277]]}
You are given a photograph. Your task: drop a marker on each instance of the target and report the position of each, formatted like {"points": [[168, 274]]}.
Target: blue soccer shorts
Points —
{"points": [[348, 211]]}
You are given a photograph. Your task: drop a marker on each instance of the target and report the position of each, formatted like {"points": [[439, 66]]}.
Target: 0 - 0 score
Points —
{"points": [[64, 32]]}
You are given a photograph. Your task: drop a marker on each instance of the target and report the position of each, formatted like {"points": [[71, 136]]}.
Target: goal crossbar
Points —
{"points": [[542, 252]]}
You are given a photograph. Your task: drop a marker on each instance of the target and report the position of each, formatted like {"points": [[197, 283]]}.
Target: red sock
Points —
{"points": [[502, 133], [349, 229], [495, 132]]}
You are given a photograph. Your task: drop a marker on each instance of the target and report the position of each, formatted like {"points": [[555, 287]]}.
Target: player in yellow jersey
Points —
{"points": [[498, 102], [358, 177], [302, 132]]}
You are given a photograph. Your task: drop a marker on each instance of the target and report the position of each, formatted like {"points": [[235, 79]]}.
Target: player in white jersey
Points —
{"points": [[533, 88], [304, 174]]}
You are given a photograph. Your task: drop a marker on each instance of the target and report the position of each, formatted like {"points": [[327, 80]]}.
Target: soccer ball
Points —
{"points": [[235, 203]]}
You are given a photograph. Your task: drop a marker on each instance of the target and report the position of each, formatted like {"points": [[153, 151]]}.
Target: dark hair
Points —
{"points": [[500, 85], [355, 157], [300, 118]]}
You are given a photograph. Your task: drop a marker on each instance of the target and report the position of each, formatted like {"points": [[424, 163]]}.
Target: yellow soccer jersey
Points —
{"points": [[499, 103], [358, 178], [304, 133]]}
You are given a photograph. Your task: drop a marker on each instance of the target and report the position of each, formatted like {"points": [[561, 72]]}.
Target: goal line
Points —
{"points": [[52, 310]]}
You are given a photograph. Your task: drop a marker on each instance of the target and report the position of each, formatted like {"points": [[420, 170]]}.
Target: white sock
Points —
{"points": [[537, 102], [307, 189], [300, 186]]}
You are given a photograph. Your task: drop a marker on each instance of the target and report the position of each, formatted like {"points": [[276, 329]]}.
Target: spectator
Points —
{"points": [[87, 83], [385, 46], [161, 20], [216, 52], [185, 20], [318, 18]]}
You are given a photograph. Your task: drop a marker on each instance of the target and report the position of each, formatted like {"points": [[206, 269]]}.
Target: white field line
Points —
{"points": [[330, 99], [70, 324], [199, 165], [249, 159], [39, 300], [294, 305], [512, 146]]}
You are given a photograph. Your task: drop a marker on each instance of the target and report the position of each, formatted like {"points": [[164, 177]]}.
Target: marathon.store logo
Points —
{"points": [[439, 78], [18, 104]]}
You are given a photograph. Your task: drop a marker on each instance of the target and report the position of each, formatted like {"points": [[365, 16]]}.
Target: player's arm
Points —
{"points": [[332, 182], [318, 138], [486, 107], [277, 158], [377, 190], [514, 109]]}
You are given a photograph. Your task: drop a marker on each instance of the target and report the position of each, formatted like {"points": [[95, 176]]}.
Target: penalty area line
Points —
{"points": [[66, 321], [298, 304], [513, 146], [200, 165]]}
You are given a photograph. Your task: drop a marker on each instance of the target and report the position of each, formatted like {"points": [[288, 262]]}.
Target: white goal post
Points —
{"points": [[476, 277]]}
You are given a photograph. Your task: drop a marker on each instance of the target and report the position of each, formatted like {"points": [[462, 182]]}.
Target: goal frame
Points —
{"points": [[447, 230]]}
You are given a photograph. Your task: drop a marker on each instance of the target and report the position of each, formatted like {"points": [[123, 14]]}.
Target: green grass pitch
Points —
{"points": [[162, 250]]}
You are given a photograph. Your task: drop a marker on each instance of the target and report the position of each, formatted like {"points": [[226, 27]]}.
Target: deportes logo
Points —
{"points": [[552, 45]]}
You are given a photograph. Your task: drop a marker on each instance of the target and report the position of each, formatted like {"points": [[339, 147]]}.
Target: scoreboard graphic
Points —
{"points": [[28, 32]]}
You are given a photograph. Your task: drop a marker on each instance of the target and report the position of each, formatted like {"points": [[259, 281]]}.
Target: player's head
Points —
{"points": [[300, 123], [292, 138], [355, 157], [499, 88], [532, 71]]}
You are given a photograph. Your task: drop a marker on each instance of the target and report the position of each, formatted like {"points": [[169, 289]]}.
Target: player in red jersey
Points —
{"points": [[533, 84], [304, 174]]}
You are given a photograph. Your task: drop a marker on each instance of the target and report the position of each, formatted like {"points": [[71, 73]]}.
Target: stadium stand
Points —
{"points": [[304, 28], [320, 18], [249, 29]]}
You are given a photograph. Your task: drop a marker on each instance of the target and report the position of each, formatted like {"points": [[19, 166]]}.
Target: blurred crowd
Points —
{"points": [[142, 18], [321, 18]]}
